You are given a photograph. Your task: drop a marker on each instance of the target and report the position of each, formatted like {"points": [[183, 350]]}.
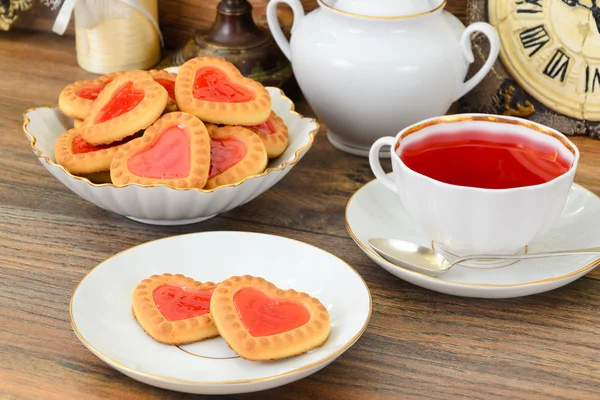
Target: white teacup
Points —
{"points": [[468, 220]]}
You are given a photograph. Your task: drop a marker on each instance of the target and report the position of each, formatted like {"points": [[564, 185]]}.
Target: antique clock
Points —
{"points": [[549, 66]]}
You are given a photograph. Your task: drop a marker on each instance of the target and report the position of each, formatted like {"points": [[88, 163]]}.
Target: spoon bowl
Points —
{"points": [[427, 261]]}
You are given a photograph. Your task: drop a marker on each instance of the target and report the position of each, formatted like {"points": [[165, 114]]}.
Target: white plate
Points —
{"points": [[102, 319], [163, 205], [374, 211]]}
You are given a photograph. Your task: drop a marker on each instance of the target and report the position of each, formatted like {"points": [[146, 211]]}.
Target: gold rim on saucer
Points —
{"points": [[373, 254]]}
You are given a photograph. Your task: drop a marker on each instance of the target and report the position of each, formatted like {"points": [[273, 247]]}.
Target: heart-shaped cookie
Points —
{"points": [[215, 91], [174, 309], [127, 105], [76, 99], [174, 151], [261, 322], [235, 154], [274, 135], [166, 80], [80, 157]]}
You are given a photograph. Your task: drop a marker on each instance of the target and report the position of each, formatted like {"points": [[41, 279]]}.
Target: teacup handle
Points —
{"points": [[275, 28], [376, 163], [465, 42]]}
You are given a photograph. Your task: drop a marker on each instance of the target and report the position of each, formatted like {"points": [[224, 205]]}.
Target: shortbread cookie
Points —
{"points": [[166, 80], [126, 105], [76, 99], [80, 157], [274, 135], [235, 154], [77, 123], [261, 322], [174, 151], [174, 309], [215, 91]]}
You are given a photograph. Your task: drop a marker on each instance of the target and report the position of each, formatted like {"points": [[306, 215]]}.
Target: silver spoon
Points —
{"points": [[425, 260]]}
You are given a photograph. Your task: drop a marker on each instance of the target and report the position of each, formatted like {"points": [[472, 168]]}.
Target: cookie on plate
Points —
{"points": [[261, 322], [174, 309]]}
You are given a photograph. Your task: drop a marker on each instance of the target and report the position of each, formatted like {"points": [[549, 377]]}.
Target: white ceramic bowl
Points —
{"points": [[163, 205]]}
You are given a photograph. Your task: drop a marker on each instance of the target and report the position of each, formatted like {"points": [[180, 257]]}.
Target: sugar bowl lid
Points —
{"points": [[385, 8]]}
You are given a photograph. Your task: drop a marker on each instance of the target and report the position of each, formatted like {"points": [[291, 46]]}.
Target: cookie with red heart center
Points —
{"points": [[235, 154], [76, 99], [166, 80], [174, 151], [80, 157], [215, 91], [174, 309], [127, 105], [273, 133], [261, 322]]}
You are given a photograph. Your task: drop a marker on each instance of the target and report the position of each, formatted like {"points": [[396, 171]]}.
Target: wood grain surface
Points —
{"points": [[419, 344]]}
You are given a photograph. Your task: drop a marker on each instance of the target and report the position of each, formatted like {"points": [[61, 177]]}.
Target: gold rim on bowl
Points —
{"points": [[281, 167]]}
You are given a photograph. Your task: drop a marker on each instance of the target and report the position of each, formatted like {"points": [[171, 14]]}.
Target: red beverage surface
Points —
{"points": [[485, 160]]}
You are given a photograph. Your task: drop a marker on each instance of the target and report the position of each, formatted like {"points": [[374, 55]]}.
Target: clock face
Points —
{"points": [[552, 49]]}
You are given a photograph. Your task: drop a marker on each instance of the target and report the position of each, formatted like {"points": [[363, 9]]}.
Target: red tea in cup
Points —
{"points": [[477, 159]]}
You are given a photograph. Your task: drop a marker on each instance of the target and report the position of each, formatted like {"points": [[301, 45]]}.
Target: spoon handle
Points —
{"points": [[589, 251]]}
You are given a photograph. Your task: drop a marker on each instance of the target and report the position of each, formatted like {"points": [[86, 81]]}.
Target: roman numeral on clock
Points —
{"points": [[534, 38], [530, 6], [558, 65], [591, 79]]}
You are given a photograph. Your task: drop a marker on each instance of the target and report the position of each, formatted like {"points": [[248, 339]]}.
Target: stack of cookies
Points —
{"points": [[205, 127], [259, 321]]}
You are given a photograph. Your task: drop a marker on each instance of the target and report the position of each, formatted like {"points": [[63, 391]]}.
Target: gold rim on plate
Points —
{"points": [[373, 254], [109, 360], [281, 167], [394, 17]]}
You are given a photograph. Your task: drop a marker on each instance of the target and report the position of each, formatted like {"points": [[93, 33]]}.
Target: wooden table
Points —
{"points": [[419, 344]]}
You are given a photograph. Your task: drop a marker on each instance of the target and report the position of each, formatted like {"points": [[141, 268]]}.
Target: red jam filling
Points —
{"points": [[167, 158], [224, 154], [90, 92], [78, 145], [264, 316], [180, 302], [213, 84], [125, 99], [169, 85], [266, 127]]}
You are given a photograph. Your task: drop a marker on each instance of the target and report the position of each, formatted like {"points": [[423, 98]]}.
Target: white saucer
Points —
{"points": [[102, 319], [374, 211]]}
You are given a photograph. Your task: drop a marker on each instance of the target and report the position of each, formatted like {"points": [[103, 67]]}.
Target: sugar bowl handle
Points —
{"points": [[376, 163], [275, 28], [467, 49]]}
